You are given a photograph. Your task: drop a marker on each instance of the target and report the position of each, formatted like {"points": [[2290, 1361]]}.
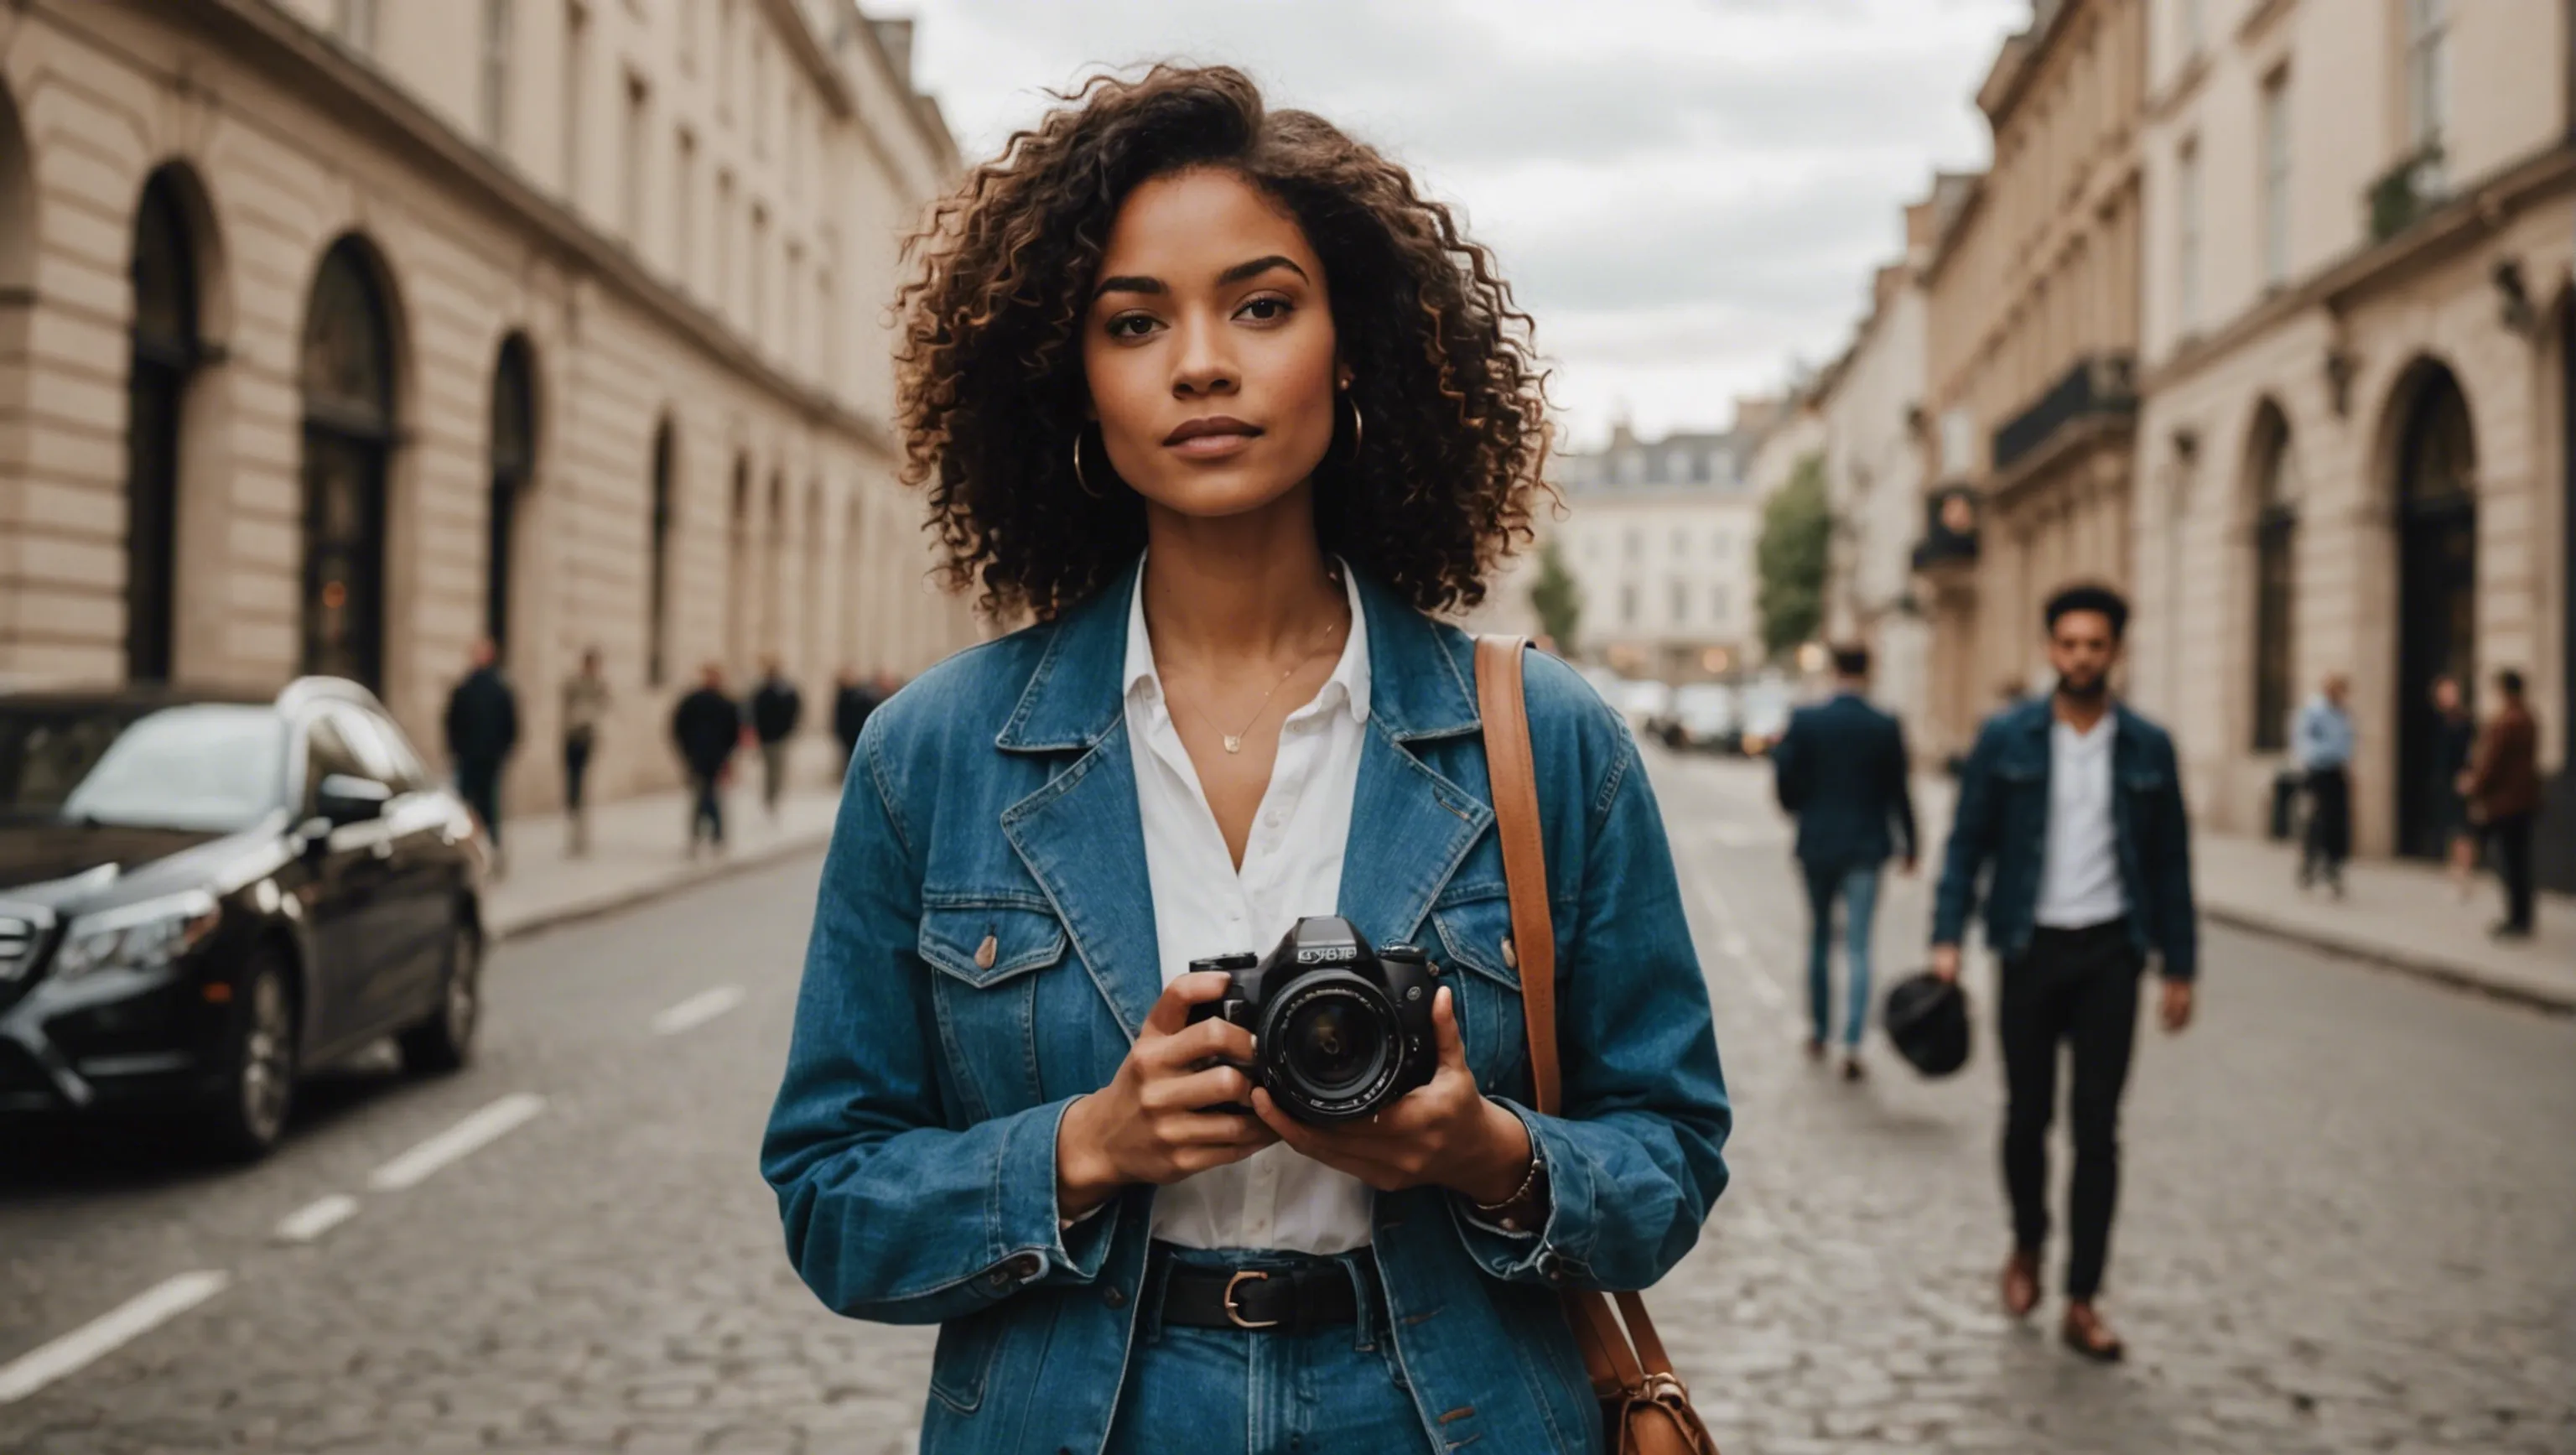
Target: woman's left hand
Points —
{"points": [[1443, 1134]]}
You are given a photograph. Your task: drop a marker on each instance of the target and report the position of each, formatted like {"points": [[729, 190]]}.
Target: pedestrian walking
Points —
{"points": [[1842, 770], [2075, 804], [2321, 743], [776, 706], [2503, 788], [2456, 738], [707, 727], [482, 727], [1281, 422], [853, 698], [585, 707]]}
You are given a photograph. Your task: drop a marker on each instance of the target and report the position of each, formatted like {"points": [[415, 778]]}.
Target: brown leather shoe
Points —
{"points": [[2086, 1334], [2021, 1283]]}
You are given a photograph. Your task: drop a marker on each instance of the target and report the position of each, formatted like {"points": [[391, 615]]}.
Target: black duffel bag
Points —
{"points": [[1927, 1019]]}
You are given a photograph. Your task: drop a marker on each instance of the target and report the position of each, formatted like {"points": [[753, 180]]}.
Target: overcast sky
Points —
{"points": [[1687, 194]]}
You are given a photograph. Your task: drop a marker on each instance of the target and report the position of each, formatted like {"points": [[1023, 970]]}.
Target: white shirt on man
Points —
{"points": [[1203, 905], [2079, 869]]}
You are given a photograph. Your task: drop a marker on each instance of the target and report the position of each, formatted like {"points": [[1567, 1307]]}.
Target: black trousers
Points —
{"points": [[576, 769], [2512, 839], [2079, 987], [2329, 840], [706, 808], [479, 784]]}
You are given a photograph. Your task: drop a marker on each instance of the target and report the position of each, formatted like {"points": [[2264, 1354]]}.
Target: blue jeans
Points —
{"points": [[1222, 1391], [1857, 886]]}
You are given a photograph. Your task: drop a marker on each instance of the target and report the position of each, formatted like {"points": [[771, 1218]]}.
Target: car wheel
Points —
{"points": [[443, 1042], [259, 1093]]}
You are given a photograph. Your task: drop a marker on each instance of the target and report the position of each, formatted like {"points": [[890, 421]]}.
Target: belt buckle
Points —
{"points": [[1234, 1313]]}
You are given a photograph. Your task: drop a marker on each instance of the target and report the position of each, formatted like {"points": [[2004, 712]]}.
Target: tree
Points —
{"points": [[1791, 559], [1556, 599]]}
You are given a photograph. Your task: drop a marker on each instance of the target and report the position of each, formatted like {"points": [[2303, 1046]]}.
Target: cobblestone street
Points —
{"points": [[2346, 1222]]}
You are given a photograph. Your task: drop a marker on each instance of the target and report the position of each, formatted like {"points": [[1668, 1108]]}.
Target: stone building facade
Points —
{"points": [[1871, 402], [336, 333], [2354, 448], [1659, 537], [2032, 325]]}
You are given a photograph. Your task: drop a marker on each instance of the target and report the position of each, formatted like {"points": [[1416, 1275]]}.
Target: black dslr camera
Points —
{"points": [[1340, 1029]]}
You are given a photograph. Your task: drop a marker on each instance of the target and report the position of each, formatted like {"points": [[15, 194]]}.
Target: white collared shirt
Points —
{"points": [[2079, 869], [1292, 867]]}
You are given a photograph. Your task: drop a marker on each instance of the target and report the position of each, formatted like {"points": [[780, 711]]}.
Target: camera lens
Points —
{"points": [[1335, 1044]]}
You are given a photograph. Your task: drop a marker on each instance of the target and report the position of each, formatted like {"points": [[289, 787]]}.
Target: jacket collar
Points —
{"points": [[1417, 689]]}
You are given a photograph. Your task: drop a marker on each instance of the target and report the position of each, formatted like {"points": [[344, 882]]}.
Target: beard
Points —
{"points": [[2083, 689]]}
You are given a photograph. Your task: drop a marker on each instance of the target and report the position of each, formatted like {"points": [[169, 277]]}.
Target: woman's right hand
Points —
{"points": [[1147, 1125]]}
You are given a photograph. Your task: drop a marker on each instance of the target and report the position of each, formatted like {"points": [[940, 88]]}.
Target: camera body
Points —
{"points": [[1340, 1029]]}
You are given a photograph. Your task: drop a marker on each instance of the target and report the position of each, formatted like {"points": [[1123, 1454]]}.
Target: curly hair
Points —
{"points": [[990, 385]]}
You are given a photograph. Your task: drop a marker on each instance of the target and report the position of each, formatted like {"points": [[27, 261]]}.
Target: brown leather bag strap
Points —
{"points": [[1514, 776], [1513, 771]]}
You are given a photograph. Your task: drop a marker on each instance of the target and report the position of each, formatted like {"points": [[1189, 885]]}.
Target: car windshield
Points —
{"points": [[209, 767]]}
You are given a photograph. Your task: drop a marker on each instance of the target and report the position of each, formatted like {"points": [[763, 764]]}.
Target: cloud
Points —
{"points": [[1677, 188]]}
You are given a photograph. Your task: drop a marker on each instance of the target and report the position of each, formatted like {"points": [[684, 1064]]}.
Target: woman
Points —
{"points": [[2456, 734], [1215, 396]]}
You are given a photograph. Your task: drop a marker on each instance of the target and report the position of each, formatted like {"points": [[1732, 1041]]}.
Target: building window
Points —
{"points": [[722, 288], [2428, 72], [1636, 544], [1681, 544], [795, 140], [165, 355], [1628, 604], [347, 377], [2276, 531], [2187, 251], [354, 22], [657, 626], [758, 96], [684, 209], [2276, 179], [639, 110], [576, 67], [1717, 603], [758, 267], [495, 76], [1681, 603]]}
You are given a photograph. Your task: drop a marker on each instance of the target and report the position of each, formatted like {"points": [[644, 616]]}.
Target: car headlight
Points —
{"points": [[137, 936]]}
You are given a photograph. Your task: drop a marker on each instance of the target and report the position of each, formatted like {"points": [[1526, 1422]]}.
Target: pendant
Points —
{"points": [[1233, 744]]}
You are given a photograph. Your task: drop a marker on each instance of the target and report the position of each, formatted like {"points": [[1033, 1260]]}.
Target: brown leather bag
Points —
{"points": [[1644, 1408]]}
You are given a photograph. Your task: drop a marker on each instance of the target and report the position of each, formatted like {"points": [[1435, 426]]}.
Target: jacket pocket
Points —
{"points": [[1474, 937], [987, 953], [961, 1364]]}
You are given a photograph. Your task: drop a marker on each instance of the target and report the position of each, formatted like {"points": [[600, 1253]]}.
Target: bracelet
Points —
{"points": [[1520, 1194]]}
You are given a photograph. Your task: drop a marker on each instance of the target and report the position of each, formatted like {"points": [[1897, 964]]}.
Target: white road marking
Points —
{"points": [[316, 1218], [101, 1336], [466, 1137], [697, 1010]]}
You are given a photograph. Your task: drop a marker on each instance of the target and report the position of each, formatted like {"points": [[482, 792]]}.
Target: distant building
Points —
{"points": [[2353, 457], [335, 333], [2031, 314], [1659, 537], [1876, 445]]}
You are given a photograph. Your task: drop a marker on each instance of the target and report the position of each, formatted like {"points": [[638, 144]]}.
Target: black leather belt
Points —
{"points": [[1288, 1298]]}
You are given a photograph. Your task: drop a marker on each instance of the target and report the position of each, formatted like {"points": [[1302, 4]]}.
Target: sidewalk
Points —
{"points": [[639, 851], [2400, 914]]}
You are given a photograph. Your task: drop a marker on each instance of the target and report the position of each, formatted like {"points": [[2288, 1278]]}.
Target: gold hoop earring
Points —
{"points": [[1078, 478], [1359, 425]]}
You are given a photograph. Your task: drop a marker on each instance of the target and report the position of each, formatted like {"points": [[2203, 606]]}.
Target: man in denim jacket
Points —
{"points": [[2071, 812]]}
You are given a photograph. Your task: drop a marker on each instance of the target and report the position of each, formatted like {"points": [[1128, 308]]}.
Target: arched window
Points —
{"points": [[657, 626], [347, 375], [513, 466], [2276, 536], [165, 353]]}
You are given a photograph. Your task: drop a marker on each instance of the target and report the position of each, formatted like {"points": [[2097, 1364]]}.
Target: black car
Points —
{"points": [[202, 895]]}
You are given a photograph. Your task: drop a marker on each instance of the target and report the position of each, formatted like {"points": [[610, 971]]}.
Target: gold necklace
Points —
{"points": [[1234, 740]]}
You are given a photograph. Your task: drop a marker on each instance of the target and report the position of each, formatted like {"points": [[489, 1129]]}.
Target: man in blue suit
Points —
{"points": [[1841, 769]]}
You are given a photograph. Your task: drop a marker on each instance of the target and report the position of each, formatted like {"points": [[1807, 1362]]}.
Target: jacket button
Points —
{"points": [[1026, 1266], [1114, 1296], [984, 953], [1511, 958]]}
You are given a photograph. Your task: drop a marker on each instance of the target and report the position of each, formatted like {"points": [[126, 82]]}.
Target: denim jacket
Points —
{"points": [[983, 952], [2002, 822]]}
